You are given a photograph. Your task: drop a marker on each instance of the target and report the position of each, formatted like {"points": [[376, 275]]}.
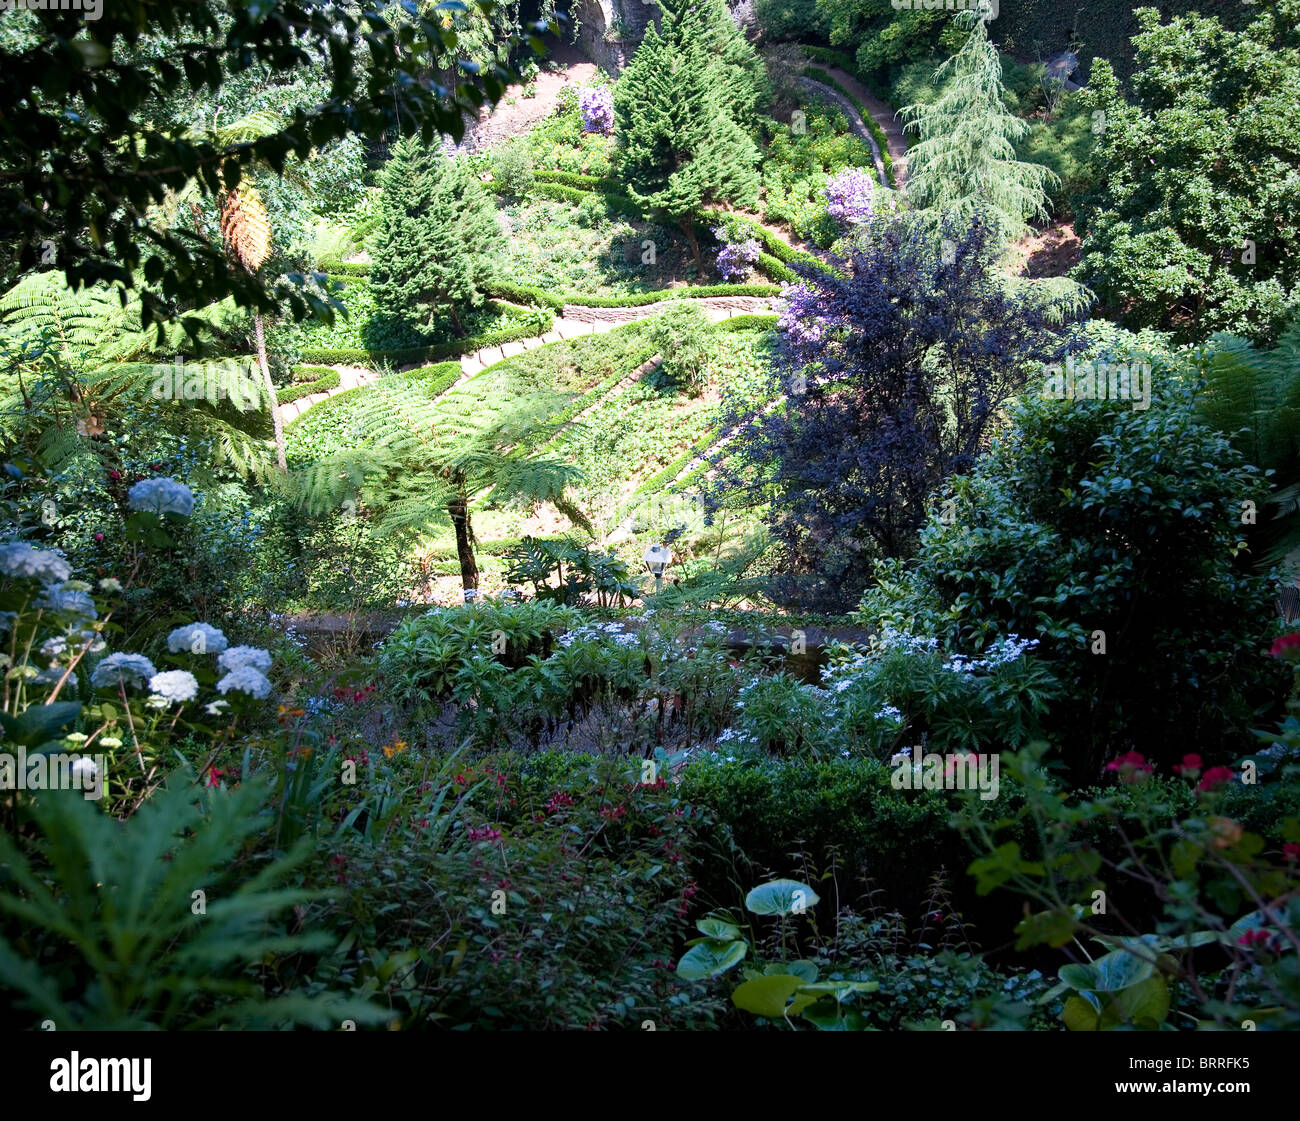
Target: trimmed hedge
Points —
{"points": [[303, 374], [784, 253], [523, 294], [293, 392], [695, 292], [339, 268], [819, 75], [773, 269], [335, 402], [748, 323], [438, 378], [586, 182], [620, 204], [429, 353]]}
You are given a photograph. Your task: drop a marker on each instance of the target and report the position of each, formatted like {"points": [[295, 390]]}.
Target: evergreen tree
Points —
{"points": [[682, 146], [436, 238], [966, 158]]}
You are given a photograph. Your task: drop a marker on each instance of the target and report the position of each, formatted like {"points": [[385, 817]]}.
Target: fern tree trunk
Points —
{"points": [[458, 508], [276, 423]]}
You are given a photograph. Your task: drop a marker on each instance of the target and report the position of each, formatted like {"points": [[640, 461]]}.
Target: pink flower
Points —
{"points": [[1131, 766], [1291, 851], [1215, 777], [1190, 766], [1288, 647]]}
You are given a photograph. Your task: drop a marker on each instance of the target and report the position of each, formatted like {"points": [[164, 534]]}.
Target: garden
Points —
{"points": [[784, 519]]}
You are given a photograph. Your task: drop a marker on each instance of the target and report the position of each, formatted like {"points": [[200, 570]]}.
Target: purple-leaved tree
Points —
{"points": [[893, 370]]}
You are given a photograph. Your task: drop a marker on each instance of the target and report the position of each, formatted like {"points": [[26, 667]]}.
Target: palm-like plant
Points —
{"points": [[421, 463], [74, 359]]}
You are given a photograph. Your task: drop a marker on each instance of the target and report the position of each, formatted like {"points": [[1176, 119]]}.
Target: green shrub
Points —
{"points": [[563, 918], [1108, 533], [512, 170], [774, 808], [683, 336], [305, 374]]}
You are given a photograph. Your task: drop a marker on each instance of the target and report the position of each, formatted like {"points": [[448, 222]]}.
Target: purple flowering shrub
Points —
{"points": [[596, 103], [738, 254], [849, 196]]}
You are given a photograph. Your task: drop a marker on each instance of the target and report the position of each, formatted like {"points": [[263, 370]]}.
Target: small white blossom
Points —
{"points": [[216, 708], [109, 585]]}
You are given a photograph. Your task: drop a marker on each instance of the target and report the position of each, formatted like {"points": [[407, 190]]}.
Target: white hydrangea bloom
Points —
{"points": [[133, 669], [248, 680], [109, 585], [196, 638], [161, 496], [239, 656], [17, 558], [176, 686]]}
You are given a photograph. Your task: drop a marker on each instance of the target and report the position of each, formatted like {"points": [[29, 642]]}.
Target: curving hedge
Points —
{"points": [[882, 141], [293, 392], [303, 374], [337, 268]]}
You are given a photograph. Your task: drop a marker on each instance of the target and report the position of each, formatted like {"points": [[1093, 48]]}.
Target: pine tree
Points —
{"points": [[682, 146], [966, 156], [436, 239]]}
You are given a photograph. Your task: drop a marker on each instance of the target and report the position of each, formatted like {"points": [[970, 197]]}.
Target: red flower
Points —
{"points": [[99, 537], [1291, 851], [1130, 766], [1191, 766], [213, 775], [1214, 777], [486, 833], [1288, 647], [1256, 937]]}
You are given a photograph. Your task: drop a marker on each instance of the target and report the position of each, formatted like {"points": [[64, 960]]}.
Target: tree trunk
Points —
{"points": [[458, 508], [455, 322], [276, 423], [688, 227]]}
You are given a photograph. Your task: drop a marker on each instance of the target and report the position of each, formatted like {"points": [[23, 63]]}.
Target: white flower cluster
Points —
{"points": [[132, 669], [175, 686], [999, 653], [196, 638], [237, 657], [17, 558], [161, 496], [600, 632], [246, 679], [892, 639], [889, 712]]}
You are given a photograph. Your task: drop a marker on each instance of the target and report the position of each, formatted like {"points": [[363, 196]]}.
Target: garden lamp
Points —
{"points": [[657, 558]]}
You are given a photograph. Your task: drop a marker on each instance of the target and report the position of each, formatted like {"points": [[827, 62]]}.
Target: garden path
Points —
{"points": [[576, 320]]}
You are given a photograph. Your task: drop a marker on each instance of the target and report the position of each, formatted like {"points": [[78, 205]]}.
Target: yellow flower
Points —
{"points": [[394, 748]]}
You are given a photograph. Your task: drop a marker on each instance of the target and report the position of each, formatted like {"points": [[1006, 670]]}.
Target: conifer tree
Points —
{"points": [[966, 157], [682, 147], [437, 236]]}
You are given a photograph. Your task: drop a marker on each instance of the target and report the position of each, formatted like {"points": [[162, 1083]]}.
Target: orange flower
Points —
{"points": [[394, 748]]}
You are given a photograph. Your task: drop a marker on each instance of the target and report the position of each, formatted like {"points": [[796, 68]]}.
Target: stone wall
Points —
{"points": [[610, 30]]}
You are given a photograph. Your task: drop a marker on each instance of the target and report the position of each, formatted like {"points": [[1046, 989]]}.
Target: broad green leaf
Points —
{"points": [[766, 996], [718, 929], [709, 959], [780, 897]]}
